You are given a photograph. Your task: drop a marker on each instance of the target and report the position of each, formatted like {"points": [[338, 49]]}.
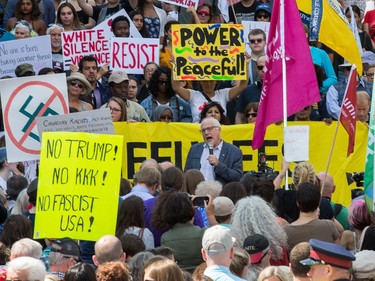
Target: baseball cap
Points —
{"points": [[223, 206], [118, 77], [254, 245], [24, 69], [264, 7], [217, 240], [67, 247]]}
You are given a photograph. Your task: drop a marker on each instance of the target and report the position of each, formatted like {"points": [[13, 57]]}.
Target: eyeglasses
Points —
{"points": [[262, 16], [114, 110], [260, 67], [76, 84], [259, 40], [208, 129], [150, 71], [203, 13], [370, 75], [254, 114], [163, 82]]}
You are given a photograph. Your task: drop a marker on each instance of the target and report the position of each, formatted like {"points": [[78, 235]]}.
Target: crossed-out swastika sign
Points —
{"points": [[24, 99]]}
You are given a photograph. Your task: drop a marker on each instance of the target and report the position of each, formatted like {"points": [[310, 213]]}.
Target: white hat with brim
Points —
{"points": [[80, 77]]}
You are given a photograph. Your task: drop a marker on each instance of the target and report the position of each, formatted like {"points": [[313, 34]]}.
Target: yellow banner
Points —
{"points": [[171, 142], [78, 187], [209, 52]]}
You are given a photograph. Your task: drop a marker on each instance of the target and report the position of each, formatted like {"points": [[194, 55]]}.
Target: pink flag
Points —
{"points": [[349, 109], [302, 86]]}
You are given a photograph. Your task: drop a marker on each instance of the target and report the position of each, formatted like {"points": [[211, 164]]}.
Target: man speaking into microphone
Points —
{"points": [[215, 158]]}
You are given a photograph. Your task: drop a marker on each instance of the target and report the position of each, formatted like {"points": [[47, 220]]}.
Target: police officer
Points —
{"points": [[328, 262]]}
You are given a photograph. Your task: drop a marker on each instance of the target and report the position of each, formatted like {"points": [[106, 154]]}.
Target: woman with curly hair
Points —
{"points": [[27, 10], [162, 93], [67, 16], [113, 271], [252, 215]]}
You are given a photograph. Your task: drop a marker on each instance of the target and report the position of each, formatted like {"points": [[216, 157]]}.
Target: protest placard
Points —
{"points": [[23, 99], [132, 54], [107, 25], [78, 186], [296, 143], [95, 42], [209, 52], [34, 50], [251, 25], [93, 121], [183, 3]]}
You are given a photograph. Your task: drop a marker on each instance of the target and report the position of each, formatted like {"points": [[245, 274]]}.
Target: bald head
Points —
{"points": [[108, 248], [329, 185]]}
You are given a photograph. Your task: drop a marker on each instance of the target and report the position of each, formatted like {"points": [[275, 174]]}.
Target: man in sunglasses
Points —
{"points": [[252, 92], [328, 262], [257, 43]]}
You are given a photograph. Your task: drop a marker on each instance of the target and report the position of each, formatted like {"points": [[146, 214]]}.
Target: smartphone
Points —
{"points": [[199, 201]]}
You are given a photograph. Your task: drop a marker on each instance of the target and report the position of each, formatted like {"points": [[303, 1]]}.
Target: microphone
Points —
{"points": [[210, 147]]}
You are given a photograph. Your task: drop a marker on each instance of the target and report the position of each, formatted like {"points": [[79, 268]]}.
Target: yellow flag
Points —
{"points": [[329, 26]]}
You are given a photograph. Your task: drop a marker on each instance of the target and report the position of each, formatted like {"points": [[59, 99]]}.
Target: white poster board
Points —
{"points": [[93, 121], [250, 25], [35, 50], [296, 143], [95, 42], [183, 3], [23, 100], [132, 54]]}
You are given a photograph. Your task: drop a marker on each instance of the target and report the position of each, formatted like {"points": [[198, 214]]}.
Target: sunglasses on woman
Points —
{"points": [[254, 114], [75, 83], [203, 13]]}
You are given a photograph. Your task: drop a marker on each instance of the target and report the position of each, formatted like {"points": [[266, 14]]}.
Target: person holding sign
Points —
{"points": [[162, 93], [215, 158], [78, 86], [198, 99]]}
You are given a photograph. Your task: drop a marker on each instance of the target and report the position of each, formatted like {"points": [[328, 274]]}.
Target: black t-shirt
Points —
{"points": [[110, 11], [242, 12]]}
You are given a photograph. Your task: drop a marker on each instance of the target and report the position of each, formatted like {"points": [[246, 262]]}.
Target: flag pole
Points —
{"points": [[283, 65], [352, 70]]}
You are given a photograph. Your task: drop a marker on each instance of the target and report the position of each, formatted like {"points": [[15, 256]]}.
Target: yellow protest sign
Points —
{"points": [[78, 186], [209, 52], [171, 142]]}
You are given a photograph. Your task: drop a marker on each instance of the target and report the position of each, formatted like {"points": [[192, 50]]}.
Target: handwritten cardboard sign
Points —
{"points": [[34, 50], [209, 52], [78, 187], [296, 143], [94, 121], [132, 54]]}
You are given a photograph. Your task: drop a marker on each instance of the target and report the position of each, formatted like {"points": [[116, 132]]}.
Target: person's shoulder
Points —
{"points": [[231, 146]]}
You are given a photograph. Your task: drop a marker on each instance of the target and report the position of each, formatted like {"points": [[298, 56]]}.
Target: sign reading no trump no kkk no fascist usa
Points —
{"points": [[209, 52], [78, 185]]}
